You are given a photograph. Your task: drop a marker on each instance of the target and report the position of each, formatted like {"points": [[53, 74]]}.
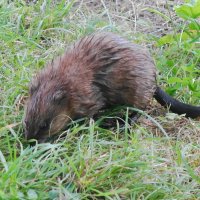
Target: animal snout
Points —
{"points": [[29, 135]]}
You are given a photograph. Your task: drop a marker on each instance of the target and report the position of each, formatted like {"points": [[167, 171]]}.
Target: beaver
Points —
{"points": [[99, 71]]}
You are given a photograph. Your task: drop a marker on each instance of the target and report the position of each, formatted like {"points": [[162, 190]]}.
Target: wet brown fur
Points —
{"points": [[98, 71]]}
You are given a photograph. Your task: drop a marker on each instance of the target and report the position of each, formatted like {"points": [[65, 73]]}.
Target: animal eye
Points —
{"points": [[43, 126], [58, 96]]}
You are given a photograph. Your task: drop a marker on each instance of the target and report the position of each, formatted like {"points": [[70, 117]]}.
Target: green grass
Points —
{"points": [[145, 161]]}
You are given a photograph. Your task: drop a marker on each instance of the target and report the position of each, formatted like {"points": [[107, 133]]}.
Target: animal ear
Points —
{"points": [[59, 96]]}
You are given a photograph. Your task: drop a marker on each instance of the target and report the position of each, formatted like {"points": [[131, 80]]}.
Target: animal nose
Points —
{"points": [[28, 135]]}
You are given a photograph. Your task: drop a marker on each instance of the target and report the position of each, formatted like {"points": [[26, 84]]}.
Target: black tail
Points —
{"points": [[176, 106]]}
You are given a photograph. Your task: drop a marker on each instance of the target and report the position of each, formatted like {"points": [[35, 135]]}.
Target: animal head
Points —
{"points": [[47, 110]]}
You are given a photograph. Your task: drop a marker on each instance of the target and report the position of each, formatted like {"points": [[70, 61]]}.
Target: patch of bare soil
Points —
{"points": [[175, 126], [137, 16]]}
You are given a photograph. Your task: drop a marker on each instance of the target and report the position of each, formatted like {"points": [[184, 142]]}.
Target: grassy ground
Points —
{"points": [[159, 158]]}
